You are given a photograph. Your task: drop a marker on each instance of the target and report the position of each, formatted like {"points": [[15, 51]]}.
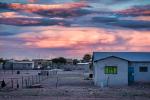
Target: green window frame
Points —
{"points": [[111, 70]]}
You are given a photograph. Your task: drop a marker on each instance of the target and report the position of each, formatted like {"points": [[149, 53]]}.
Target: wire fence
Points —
{"points": [[26, 81]]}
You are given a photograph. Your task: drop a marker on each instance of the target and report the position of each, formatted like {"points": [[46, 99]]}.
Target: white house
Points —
{"points": [[120, 68]]}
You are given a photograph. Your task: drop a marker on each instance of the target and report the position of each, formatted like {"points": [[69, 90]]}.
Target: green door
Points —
{"points": [[130, 75]]}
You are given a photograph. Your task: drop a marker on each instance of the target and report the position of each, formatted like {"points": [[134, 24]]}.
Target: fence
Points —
{"points": [[27, 81]]}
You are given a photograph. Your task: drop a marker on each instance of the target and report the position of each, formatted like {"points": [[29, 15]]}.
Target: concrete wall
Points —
{"points": [[141, 76], [119, 79]]}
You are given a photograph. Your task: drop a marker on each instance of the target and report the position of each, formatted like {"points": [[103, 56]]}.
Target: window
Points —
{"points": [[110, 69], [143, 69]]}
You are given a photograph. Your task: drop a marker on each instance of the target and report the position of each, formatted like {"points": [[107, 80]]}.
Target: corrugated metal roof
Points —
{"points": [[130, 56]]}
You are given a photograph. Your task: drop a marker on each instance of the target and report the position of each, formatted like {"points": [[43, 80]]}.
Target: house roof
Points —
{"points": [[130, 56], [23, 62]]}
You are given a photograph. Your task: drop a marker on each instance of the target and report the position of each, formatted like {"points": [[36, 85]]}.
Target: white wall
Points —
{"points": [[121, 78], [141, 76]]}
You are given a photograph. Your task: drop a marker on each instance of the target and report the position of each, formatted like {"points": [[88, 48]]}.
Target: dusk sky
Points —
{"points": [[71, 28]]}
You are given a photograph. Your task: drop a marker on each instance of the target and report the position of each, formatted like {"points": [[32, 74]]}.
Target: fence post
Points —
{"points": [[57, 82], [46, 76], [12, 84], [26, 82], [17, 83], [32, 80], [36, 78], [39, 78], [22, 81]]}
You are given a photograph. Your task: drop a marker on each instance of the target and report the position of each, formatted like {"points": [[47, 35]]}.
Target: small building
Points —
{"points": [[19, 65], [1, 66], [120, 68], [83, 66], [69, 61], [42, 64]]}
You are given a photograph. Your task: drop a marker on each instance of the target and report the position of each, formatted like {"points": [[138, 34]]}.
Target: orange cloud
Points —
{"points": [[38, 7], [12, 14]]}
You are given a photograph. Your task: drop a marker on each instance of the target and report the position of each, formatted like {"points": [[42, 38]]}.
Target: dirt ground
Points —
{"points": [[72, 86]]}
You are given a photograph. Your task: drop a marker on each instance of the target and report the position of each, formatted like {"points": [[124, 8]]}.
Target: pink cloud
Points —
{"points": [[13, 21], [32, 1], [142, 18], [136, 10], [12, 14], [84, 38], [66, 37], [76, 41], [140, 39], [137, 18]]}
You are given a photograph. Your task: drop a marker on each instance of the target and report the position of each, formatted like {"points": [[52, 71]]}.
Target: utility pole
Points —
{"points": [[12, 65]]}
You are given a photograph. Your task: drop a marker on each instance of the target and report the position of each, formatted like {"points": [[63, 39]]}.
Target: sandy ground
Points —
{"points": [[72, 86]]}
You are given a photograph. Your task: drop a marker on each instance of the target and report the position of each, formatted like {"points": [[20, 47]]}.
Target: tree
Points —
{"points": [[2, 61], [60, 60], [87, 57], [75, 61]]}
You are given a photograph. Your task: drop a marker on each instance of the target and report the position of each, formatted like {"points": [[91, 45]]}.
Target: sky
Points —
{"points": [[71, 28]]}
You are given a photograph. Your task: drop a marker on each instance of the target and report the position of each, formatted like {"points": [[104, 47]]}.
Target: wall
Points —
{"points": [[24, 66], [141, 76], [119, 79], [8, 65]]}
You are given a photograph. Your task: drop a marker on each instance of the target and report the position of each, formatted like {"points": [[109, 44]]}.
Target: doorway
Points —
{"points": [[130, 75]]}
